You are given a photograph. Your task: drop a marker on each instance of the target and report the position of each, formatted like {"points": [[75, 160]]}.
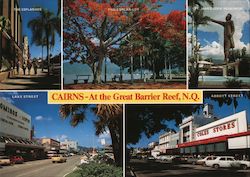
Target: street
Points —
{"points": [[40, 168], [143, 168]]}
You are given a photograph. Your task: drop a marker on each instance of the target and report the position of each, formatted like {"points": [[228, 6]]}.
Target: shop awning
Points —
{"points": [[213, 140], [19, 142]]}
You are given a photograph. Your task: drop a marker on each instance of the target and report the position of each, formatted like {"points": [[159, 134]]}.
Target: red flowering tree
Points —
{"points": [[93, 28]]}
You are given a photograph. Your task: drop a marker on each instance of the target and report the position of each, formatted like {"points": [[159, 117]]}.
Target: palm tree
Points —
{"points": [[199, 19], [192, 4], [4, 26], [109, 116], [44, 27]]}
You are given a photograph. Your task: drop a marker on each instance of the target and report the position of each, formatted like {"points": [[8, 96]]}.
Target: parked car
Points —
{"points": [[58, 158], [177, 160], [243, 164], [150, 158], [202, 161], [192, 160], [16, 159], [4, 160], [223, 161]]}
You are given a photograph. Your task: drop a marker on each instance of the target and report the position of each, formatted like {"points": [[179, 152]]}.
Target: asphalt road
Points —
{"points": [[40, 168], [143, 168]]}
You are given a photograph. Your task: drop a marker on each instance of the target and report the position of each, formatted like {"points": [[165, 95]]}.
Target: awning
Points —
{"points": [[19, 142], [213, 140]]}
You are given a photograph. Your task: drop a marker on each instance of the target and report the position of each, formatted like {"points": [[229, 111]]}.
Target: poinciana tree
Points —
{"points": [[108, 117], [93, 28]]}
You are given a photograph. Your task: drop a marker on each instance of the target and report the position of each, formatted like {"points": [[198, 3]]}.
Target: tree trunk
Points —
{"points": [[99, 70], [48, 57], [154, 73], [1, 50], [105, 70], [42, 59], [132, 69], [192, 37], [121, 68], [117, 141]]}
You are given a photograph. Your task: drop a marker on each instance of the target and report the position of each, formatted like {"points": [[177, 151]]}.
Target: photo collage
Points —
{"points": [[124, 88]]}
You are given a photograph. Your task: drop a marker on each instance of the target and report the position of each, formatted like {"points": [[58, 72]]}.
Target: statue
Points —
{"points": [[228, 35]]}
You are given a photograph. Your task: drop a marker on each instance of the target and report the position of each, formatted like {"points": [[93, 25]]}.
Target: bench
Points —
{"points": [[84, 77], [115, 77]]}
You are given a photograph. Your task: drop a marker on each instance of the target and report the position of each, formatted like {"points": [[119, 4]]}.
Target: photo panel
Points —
{"points": [[124, 44], [218, 44], [189, 139], [30, 45], [41, 139]]}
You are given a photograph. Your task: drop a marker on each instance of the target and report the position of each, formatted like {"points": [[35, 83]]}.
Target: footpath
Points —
{"points": [[40, 81]]}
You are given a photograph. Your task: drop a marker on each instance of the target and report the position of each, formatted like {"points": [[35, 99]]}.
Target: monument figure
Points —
{"points": [[228, 35]]}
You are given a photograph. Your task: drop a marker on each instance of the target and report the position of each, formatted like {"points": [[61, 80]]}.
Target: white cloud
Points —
{"points": [[8, 99], [40, 118], [61, 137], [214, 50], [104, 135]]}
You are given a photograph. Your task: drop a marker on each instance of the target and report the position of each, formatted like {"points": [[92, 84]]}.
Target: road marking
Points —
{"points": [[70, 171]]}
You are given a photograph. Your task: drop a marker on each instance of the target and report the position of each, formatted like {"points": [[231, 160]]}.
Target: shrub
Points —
{"points": [[97, 170], [233, 83]]}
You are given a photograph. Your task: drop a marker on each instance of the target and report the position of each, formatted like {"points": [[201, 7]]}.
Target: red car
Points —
{"points": [[16, 159]]}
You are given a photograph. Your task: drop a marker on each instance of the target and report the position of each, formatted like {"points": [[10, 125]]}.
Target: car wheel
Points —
{"points": [[216, 166], [244, 167], [53, 162], [204, 164]]}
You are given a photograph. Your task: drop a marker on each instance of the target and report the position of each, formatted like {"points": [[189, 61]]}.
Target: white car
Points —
{"points": [[223, 161], [202, 161], [243, 164]]}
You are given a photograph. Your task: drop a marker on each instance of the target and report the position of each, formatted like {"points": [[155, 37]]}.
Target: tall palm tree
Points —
{"points": [[44, 27], [192, 4], [109, 116], [199, 19]]}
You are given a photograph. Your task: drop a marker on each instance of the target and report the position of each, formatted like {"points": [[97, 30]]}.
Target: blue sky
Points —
{"points": [[168, 7], [36, 51], [221, 112], [48, 123]]}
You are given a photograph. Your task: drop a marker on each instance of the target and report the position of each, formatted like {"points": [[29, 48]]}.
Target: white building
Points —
{"points": [[13, 121], [229, 135], [69, 145], [168, 141], [16, 132]]}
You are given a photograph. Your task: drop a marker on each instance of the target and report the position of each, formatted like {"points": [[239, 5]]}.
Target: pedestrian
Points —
{"points": [[17, 67], [29, 66], [24, 68], [35, 66]]}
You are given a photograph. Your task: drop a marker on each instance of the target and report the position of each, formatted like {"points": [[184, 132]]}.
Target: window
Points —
{"points": [[210, 148], [223, 159], [230, 159], [220, 147]]}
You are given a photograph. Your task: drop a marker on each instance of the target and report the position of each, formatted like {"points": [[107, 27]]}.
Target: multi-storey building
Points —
{"points": [[69, 145], [16, 132], [11, 40]]}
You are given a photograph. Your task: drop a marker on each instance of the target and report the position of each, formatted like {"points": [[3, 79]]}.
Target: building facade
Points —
{"points": [[168, 142], [69, 145], [11, 36], [16, 132], [206, 134], [50, 144]]}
